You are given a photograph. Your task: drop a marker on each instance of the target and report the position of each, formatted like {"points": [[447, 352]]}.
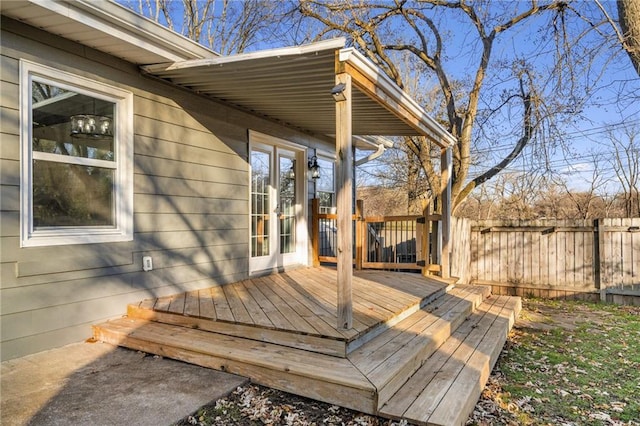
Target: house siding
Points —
{"points": [[190, 202]]}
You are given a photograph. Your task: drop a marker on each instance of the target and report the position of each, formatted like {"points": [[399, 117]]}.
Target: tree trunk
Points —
{"points": [[629, 15]]}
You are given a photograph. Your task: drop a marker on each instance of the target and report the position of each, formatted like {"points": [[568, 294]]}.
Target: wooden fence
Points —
{"points": [[589, 259]]}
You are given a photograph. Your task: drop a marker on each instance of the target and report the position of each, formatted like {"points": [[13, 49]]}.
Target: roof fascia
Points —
{"points": [[380, 87], [321, 46], [116, 20]]}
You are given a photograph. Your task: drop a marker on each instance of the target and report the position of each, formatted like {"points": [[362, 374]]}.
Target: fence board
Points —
{"points": [[627, 255], [560, 257], [635, 250]]}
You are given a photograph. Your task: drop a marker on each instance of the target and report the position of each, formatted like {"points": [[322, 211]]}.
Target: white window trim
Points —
{"points": [[123, 142]]}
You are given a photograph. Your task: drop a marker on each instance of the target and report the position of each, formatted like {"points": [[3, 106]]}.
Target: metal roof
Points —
{"points": [[293, 86], [108, 27]]}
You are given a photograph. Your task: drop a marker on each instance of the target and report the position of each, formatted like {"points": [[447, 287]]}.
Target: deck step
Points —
{"points": [[322, 377], [392, 357], [445, 389], [428, 367]]}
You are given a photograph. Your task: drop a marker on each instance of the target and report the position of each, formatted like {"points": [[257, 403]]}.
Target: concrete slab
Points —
{"points": [[100, 384]]}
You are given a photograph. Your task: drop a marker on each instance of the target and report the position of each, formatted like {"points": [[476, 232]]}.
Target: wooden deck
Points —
{"points": [[419, 350], [297, 308]]}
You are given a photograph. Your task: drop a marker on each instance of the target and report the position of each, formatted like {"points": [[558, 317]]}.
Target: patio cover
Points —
{"points": [[294, 86]]}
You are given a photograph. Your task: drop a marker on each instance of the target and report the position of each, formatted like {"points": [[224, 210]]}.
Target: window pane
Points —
{"points": [[287, 200], [52, 112], [72, 195], [326, 182], [260, 184]]}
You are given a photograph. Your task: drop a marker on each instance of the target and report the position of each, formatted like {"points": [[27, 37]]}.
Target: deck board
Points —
{"points": [[304, 301], [239, 311], [470, 381], [277, 319], [254, 309], [411, 392], [316, 320], [177, 303], [207, 310], [323, 312], [222, 307], [319, 286], [322, 377], [439, 385], [192, 304], [322, 295]]}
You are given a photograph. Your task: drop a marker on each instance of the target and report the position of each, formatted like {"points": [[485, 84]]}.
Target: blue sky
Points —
{"points": [[615, 102]]}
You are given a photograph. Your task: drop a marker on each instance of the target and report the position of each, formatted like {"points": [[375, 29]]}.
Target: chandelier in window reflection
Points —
{"points": [[91, 126]]}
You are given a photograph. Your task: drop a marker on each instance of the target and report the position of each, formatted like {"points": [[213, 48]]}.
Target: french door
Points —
{"points": [[278, 229]]}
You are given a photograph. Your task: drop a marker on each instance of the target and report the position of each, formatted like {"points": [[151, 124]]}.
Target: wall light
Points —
{"points": [[338, 92], [314, 168]]}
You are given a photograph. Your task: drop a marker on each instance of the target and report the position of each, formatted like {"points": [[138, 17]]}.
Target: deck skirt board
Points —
{"points": [[421, 351]]}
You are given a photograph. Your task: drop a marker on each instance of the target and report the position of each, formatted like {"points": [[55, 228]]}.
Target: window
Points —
{"points": [[77, 150], [326, 186]]}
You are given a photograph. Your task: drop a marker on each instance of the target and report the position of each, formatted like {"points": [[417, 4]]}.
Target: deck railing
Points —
{"points": [[380, 242]]}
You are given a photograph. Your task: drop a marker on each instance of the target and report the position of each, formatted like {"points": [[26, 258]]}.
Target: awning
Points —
{"points": [[293, 86]]}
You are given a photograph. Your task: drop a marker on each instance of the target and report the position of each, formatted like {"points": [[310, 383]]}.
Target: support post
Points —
{"points": [[360, 233], [315, 232], [344, 166], [445, 199], [426, 255]]}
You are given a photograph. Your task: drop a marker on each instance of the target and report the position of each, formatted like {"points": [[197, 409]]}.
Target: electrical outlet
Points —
{"points": [[147, 263]]}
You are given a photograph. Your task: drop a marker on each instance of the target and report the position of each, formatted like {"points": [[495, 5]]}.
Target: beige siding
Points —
{"points": [[190, 203]]}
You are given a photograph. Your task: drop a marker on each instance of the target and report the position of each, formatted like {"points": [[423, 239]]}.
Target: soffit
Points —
{"points": [[289, 85], [108, 27]]}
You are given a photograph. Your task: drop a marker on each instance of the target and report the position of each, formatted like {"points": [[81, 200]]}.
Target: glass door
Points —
{"points": [[276, 209]]}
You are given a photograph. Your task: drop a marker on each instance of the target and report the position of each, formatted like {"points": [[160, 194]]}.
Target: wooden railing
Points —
{"points": [[380, 242]]}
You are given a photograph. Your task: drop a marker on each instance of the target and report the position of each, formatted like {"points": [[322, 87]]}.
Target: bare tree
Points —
{"points": [[626, 164], [588, 180], [628, 31], [226, 26], [629, 15], [513, 86]]}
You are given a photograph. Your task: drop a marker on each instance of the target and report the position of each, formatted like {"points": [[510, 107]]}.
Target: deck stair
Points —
{"points": [[427, 367]]}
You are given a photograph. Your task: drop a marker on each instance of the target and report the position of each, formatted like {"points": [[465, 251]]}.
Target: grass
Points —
{"points": [[565, 363], [571, 363]]}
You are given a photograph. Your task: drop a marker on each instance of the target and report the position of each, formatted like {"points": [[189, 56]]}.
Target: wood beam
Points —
{"points": [[344, 167], [373, 90]]}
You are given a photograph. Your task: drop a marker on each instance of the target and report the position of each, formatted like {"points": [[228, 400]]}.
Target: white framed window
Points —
{"points": [[76, 159]]}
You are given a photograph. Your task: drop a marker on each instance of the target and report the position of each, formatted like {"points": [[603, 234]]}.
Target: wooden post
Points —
{"points": [[445, 200], [426, 255], [360, 233], [315, 232], [344, 166]]}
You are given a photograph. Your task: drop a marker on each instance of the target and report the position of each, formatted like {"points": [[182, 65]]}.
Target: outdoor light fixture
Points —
{"points": [[314, 168], [91, 126], [291, 174], [338, 92]]}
